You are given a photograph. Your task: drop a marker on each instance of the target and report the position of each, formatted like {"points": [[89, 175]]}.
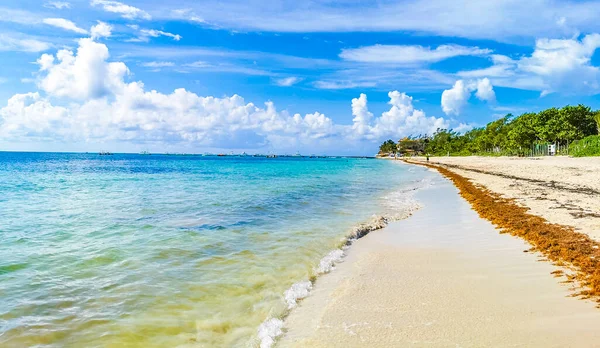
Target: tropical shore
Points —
{"points": [[446, 277], [562, 190]]}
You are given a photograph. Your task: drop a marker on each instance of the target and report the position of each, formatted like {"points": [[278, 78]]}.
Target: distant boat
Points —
{"points": [[298, 154], [105, 153], [221, 155], [145, 153], [272, 156]]}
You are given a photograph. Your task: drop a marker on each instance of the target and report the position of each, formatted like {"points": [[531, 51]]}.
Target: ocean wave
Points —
{"points": [[297, 292], [268, 332], [400, 205]]}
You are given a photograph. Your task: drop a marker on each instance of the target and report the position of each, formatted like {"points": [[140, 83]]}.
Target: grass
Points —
{"points": [[560, 244]]}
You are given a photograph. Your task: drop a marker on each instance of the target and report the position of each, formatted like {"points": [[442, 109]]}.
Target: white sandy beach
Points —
{"points": [[562, 190], [441, 278]]}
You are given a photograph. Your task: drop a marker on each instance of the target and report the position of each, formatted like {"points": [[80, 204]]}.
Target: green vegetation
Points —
{"points": [[588, 146], [387, 147], [572, 129]]}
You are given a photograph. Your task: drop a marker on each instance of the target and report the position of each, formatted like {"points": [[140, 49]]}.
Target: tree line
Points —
{"points": [[564, 127]]}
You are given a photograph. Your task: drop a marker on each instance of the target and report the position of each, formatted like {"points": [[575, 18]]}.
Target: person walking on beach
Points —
{"points": [[427, 157]]}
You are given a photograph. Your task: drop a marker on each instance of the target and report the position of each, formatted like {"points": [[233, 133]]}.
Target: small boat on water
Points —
{"points": [[221, 155], [271, 156], [105, 153]]}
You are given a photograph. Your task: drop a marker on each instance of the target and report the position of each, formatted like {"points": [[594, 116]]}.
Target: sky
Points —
{"points": [[313, 76]]}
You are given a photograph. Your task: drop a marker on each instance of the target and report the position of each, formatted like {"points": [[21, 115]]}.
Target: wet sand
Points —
{"points": [[562, 190], [442, 278]]}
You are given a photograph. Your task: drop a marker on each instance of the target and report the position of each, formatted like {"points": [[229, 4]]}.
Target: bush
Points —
{"points": [[589, 146]]}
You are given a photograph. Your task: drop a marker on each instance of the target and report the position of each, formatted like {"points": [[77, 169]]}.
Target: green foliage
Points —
{"points": [[412, 145], [387, 147], [511, 135], [588, 146]]}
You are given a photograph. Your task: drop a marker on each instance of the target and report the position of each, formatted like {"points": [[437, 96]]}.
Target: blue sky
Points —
{"points": [[195, 76]]}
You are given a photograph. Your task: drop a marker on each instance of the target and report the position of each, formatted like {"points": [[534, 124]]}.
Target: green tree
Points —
{"points": [[387, 147], [522, 135]]}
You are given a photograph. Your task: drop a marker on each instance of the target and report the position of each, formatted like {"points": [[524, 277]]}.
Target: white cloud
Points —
{"points": [[342, 84], [454, 99], [98, 105], [57, 4], [101, 30], [494, 19], [556, 65], [146, 34], [64, 24], [287, 81], [19, 16], [224, 67], [124, 10], [85, 75], [187, 14], [158, 65], [10, 43], [157, 33], [407, 54], [463, 128], [485, 90], [403, 119], [362, 116]]}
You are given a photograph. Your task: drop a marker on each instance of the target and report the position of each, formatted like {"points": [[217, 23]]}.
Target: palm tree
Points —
{"points": [[597, 119]]}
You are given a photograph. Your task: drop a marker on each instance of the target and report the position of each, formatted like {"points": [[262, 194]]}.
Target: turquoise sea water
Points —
{"points": [[171, 251]]}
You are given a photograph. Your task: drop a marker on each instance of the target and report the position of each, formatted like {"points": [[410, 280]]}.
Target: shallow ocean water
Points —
{"points": [[155, 251]]}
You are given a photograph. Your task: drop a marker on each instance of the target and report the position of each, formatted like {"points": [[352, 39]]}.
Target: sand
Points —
{"points": [[442, 278], [562, 190]]}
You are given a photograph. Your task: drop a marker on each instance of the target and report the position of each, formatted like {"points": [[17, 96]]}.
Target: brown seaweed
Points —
{"points": [[560, 244]]}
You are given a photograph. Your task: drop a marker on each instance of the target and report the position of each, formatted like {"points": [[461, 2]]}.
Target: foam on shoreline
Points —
{"points": [[445, 277], [400, 204]]}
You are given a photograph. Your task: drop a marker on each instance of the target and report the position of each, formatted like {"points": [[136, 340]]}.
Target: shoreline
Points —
{"points": [[271, 329], [564, 245], [351, 305]]}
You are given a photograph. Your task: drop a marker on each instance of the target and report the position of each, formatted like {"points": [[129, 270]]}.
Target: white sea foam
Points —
{"points": [[297, 292], [327, 263], [398, 204], [268, 331]]}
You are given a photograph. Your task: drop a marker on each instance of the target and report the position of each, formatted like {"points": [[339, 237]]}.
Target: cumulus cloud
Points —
{"points": [[64, 24], [409, 54], [287, 81], [101, 30], [85, 75], [96, 103], [485, 90], [362, 116], [404, 119], [455, 98], [126, 11], [556, 65]]}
